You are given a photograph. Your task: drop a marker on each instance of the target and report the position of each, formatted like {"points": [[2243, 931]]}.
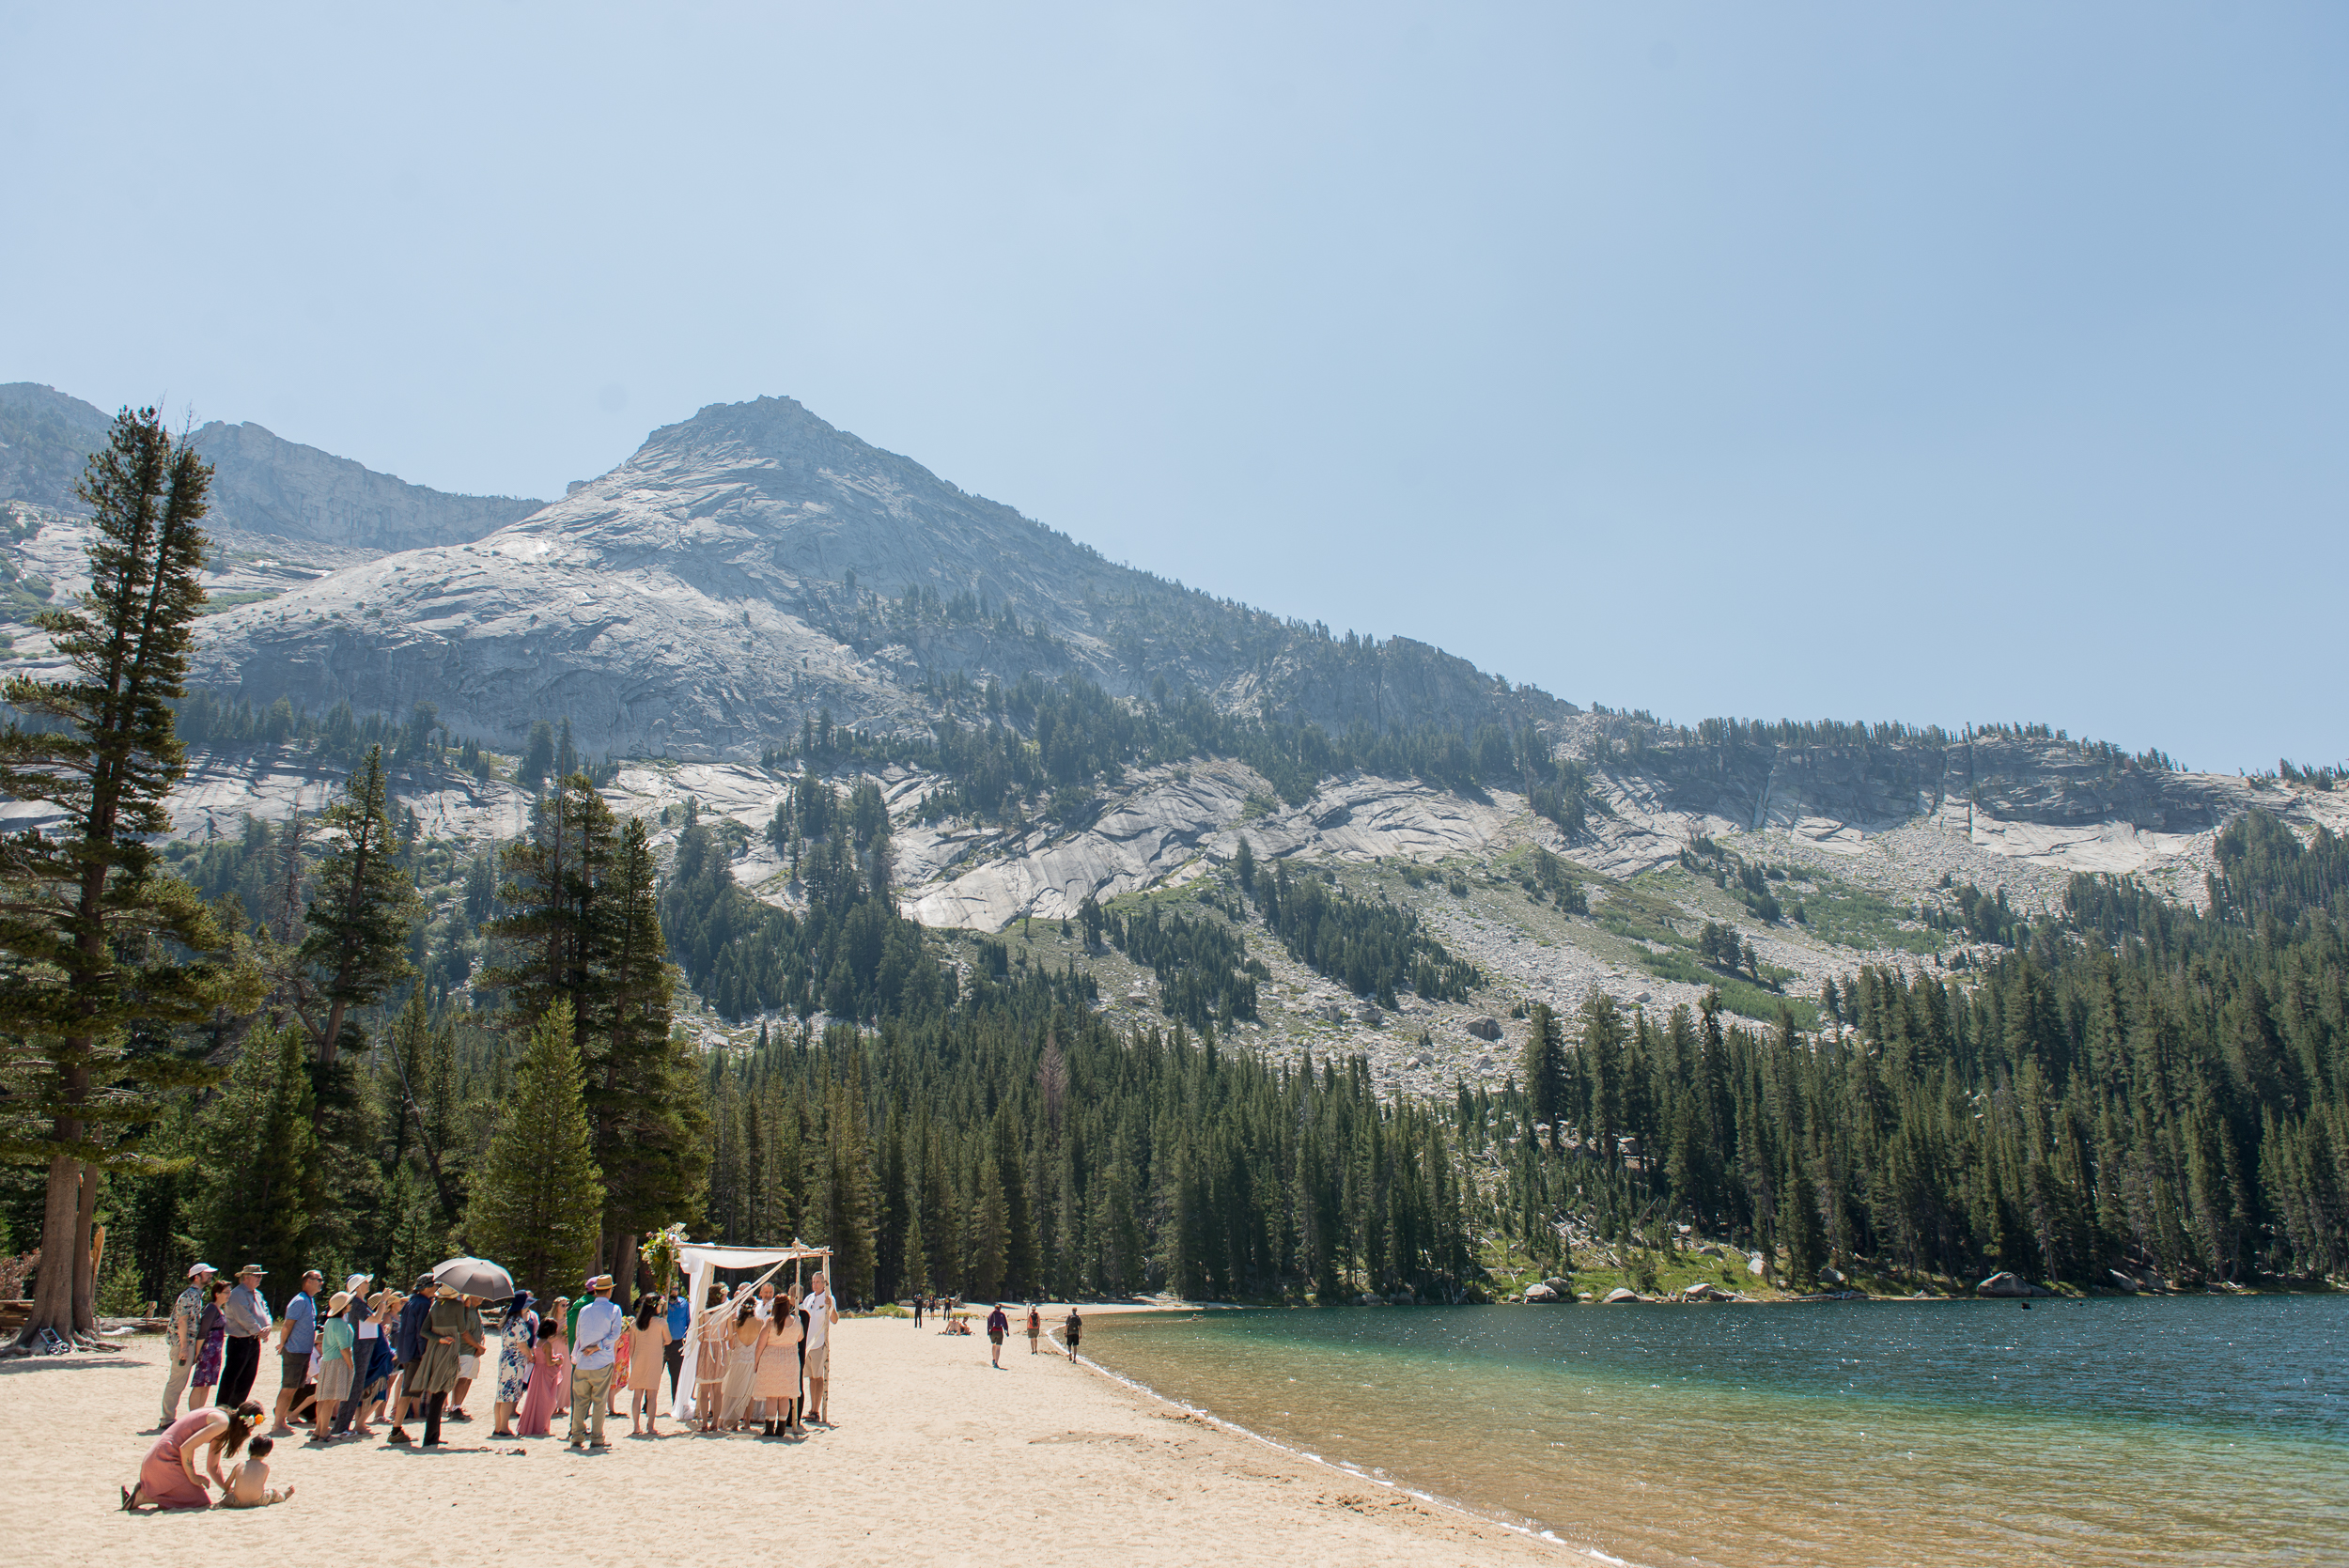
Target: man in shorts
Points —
{"points": [[296, 1337], [822, 1313], [997, 1327]]}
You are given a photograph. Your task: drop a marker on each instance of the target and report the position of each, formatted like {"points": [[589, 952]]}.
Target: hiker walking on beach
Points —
{"points": [[997, 1327], [1035, 1326], [248, 1320], [1074, 1330], [186, 1333], [822, 1313], [601, 1324]]}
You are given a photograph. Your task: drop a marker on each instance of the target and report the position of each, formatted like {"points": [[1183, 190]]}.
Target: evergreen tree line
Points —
{"points": [[2142, 1087], [1019, 1144], [1373, 947], [1204, 972]]}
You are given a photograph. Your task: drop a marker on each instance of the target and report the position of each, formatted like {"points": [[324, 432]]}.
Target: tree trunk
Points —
{"points": [[52, 1288], [85, 1288]]}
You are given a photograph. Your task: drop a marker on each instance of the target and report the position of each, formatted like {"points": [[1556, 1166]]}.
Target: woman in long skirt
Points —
{"points": [[647, 1340], [743, 1332], [776, 1384], [168, 1477], [549, 1369], [710, 1360]]}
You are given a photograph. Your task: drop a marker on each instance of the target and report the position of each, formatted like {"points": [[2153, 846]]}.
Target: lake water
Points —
{"points": [[2179, 1430]]}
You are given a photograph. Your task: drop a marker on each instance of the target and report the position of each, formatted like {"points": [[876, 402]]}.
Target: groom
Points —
{"points": [[598, 1331]]}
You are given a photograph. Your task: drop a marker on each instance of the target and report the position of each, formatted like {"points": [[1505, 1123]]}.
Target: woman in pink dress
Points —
{"points": [[549, 1369], [168, 1477]]}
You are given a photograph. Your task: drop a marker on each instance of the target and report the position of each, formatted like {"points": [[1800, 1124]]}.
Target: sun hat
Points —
{"points": [[250, 1268], [424, 1281], [353, 1283], [601, 1282], [341, 1300], [196, 1269]]}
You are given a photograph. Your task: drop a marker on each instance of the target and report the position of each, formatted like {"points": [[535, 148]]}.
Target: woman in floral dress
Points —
{"points": [[517, 1338]]}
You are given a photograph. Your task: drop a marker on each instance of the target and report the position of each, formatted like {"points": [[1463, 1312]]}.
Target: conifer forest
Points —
{"points": [[250, 1046]]}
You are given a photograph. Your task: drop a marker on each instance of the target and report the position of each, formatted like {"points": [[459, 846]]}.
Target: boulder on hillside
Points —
{"points": [[1623, 1293], [1755, 1266], [1403, 1298], [1367, 1299], [1486, 1029], [2122, 1282], [1703, 1292], [1330, 1012], [1831, 1277], [1564, 1287], [2004, 1283], [1370, 1014], [1540, 1293]]}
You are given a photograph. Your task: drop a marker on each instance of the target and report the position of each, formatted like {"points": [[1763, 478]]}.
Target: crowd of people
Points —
{"points": [[365, 1358]]}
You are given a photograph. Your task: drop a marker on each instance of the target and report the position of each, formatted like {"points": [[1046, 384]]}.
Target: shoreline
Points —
{"points": [[937, 1455], [1525, 1528]]}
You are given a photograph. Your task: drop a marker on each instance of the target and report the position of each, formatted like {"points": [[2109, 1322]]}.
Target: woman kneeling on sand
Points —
{"points": [[168, 1478]]}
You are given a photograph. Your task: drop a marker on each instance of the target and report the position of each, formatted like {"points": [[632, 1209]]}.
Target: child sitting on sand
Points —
{"points": [[248, 1483]]}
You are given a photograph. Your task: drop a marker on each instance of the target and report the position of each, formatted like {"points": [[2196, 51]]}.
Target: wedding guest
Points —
{"points": [[648, 1357], [435, 1372], [518, 1337], [601, 1324], [296, 1337], [248, 1483], [776, 1382], [362, 1352], [408, 1347], [471, 1343], [375, 1316], [211, 1336], [743, 1331], [564, 1316], [709, 1360], [822, 1313], [550, 1371], [168, 1477], [339, 1370], [680, 1317], [248, 1320], [182, 1332]]}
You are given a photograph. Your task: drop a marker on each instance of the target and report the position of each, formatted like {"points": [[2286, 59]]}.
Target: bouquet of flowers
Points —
{"points": [[664, 1253]]}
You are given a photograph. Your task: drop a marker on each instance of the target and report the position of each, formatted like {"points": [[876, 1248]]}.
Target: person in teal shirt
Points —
{"points": [[337, 1365]]}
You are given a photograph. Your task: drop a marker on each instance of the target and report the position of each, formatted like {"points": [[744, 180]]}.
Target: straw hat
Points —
{"points": [[341, 1300]]}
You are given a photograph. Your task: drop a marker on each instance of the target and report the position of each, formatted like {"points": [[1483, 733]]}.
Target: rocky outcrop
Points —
{"points": [[2006, 1284]]}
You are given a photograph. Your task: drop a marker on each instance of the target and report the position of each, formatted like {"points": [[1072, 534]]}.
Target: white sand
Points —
{"points": [[939, 1458]]}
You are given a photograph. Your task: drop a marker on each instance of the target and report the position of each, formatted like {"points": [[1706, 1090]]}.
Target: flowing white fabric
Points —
{"points": [[701, 1265]]}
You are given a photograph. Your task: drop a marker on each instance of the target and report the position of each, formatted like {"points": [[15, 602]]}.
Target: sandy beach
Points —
{"points": [[937, 1458]]}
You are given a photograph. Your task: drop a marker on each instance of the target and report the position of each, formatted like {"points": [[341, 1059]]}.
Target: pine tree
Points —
{"points": [[1544, 1070], [355, 941], [258, 1145], [538, 1197], [95, 939]]}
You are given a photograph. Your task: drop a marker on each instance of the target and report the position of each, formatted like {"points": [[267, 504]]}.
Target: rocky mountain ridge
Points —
{"points": [[262, 484]]}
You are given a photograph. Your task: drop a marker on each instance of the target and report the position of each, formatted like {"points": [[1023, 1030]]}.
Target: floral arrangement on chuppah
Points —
{"points": [[664, 1253]]}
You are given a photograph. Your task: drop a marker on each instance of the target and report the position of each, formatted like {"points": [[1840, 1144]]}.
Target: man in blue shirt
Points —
{"points": [[596, 1338], [680, 1317], [408, 1349], [294, 1341]]}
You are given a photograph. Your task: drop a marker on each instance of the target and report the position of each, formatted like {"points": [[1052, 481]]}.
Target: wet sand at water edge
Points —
{"points": [[937, 1458]]}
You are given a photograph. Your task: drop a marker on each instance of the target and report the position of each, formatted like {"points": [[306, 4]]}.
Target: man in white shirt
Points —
{"points": [[600, 1326], [822, 1313]]}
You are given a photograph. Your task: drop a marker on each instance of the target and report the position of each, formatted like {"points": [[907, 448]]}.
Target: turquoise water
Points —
{"points": [[2181, 1430]]}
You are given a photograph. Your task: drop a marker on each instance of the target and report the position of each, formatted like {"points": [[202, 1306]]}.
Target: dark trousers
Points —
{"points": [[432, 1405], [242, 1359], [673, 1356]]}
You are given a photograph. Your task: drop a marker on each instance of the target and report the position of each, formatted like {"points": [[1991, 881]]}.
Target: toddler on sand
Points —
{"points": [[248, 1483]]}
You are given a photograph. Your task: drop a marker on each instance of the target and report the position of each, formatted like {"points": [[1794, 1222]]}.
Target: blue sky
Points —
{"points": [[1942, 364]]}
